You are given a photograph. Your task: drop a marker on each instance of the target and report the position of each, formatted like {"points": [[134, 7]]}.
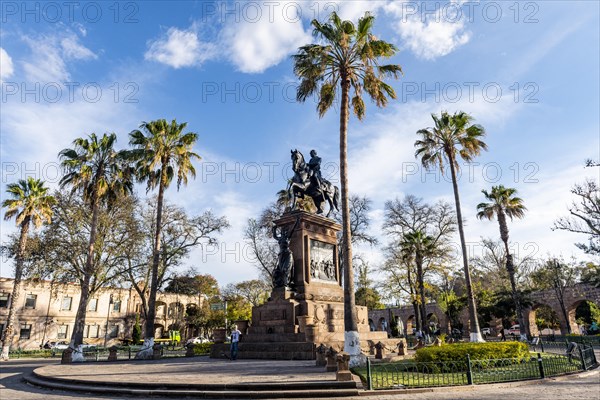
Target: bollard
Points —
{"points": [[380, 350], [156, 351], [402, 347], [343, 373], [112, 353], [320, 355], [67, 356], [189, 352], [331, 364]]}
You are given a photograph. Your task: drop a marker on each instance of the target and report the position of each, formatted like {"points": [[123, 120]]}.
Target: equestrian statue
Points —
{"points": [[307, 181]]}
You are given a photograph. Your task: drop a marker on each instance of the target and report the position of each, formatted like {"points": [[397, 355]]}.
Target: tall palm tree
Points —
{"points": [[454, 136], [422, 246], [346, 58], [503, 203], [29, 203], [100, 173], [160, 152]]}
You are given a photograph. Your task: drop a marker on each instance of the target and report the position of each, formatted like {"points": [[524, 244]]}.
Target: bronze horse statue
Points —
{"points": [[306, 184]]}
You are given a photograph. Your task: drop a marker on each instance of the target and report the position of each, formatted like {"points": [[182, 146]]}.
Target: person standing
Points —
{"points": [[235, 339]]}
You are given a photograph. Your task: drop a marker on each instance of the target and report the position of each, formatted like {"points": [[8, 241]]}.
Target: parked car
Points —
{"points": [[486, 331], [63, 345], [196, 340], [60, 345], [514, 330]]}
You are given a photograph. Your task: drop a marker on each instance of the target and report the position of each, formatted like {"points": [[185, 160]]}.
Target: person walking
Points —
{"points": [[235, 339]]}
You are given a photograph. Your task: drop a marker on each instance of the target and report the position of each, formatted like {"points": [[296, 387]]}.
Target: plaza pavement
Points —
{"points": [[201, 370]]}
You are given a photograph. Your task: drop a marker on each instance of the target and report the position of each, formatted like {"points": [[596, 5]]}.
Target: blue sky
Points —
{"points": [[527, 71]]}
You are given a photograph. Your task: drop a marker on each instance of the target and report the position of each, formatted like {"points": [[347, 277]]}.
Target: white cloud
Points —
{"points": [[6, 65], [50, 53], [180, 48], [255, 46], [428, 36]]}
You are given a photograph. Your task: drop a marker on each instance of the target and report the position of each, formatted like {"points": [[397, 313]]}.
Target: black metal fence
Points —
{"points": [[408, 374]]}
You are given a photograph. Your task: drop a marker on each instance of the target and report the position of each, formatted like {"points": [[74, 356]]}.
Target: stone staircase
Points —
{"points": [[276, 350], [266, 390]]}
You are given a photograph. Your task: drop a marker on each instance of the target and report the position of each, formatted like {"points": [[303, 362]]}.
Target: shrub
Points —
{"points": [[477, 351], [202, 348]]}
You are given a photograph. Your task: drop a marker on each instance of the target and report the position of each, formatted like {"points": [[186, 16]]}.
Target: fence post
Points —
{"points": [[582, 358], [369, 376], [542, 345], [469, 371], [129, 352], [541, 366], [594, 355]]}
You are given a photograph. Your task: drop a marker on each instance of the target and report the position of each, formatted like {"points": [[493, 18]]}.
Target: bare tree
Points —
{"points": [[585, 216]]}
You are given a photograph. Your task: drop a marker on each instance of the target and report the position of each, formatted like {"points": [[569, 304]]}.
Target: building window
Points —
{"points": [[117, 306], [63, 330], [93, 305], [3, 300], [30, 300], [25, 332], [113, 331], [138, 308], [66, 303], [91, 331]]}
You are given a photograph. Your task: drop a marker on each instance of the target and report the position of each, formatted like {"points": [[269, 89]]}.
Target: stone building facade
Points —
{"points": [[573, 296], [46, 312]]}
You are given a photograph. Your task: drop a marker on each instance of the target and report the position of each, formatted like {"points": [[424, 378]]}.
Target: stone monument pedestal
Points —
{"points": [[294, 321]]}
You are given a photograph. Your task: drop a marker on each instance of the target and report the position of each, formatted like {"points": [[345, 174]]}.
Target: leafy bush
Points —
{"points": [[477, 351], [31, 353], [202, 348]]}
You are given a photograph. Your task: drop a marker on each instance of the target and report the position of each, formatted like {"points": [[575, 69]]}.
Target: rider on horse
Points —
{"points": [[314, 166]]}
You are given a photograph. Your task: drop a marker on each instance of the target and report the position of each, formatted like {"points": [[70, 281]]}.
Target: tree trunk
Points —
{"points": [[351, 337], [510, 268], [146, 350], [9, 332], [419, 262], [79, 325], [415, 303], [475, 333]]}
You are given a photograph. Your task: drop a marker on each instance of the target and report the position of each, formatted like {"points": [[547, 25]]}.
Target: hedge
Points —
{"points": [[477, 351]]}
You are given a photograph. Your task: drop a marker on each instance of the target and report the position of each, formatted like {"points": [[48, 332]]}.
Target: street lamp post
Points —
{"points": [[110, 303]]}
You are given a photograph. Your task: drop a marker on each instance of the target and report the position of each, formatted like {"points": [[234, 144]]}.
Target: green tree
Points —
{"points": [[100, 174], [503, 203], [347, 58], [454, 136], [366, 295], [29, 203], [161, 151], [136, 333], [421, 246], [558, 276]]}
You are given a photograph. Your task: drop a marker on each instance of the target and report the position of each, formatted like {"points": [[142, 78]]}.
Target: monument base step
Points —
{"points": [[266, 350]]}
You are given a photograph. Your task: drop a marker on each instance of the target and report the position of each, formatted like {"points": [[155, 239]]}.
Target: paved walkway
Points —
{"points": [[585, 386], [197, 370]]}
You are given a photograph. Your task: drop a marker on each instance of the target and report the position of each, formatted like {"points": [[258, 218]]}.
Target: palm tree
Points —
{"points": [[422, 246], [30, 203], [503, 203], [160, 152], [95, 169], [349, 58], [452, 136]]}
